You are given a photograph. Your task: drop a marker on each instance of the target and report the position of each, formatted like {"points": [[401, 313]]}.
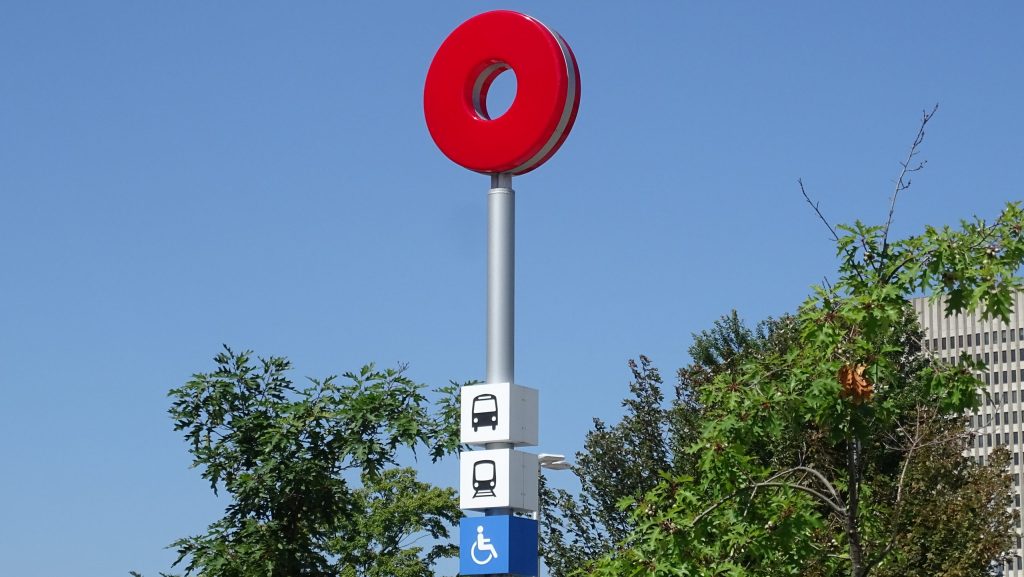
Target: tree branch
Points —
{"points": [[814, 205], [821, 479], [986, 234], [914, 441], [772, 481], [839, 510], [852, 528], [902, 184]]}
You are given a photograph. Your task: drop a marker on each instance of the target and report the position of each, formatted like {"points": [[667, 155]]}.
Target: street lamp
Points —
{"points": [[553, 462]]}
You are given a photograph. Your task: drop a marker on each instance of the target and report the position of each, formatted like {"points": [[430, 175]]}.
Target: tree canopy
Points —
{"points": [[830, 443], [311, 473]]}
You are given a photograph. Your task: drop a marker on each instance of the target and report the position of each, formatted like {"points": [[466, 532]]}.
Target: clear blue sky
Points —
{"points": [[177, 175]]}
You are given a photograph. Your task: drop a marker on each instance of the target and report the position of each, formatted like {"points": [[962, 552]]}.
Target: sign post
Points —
{"points": [[500, 415]]}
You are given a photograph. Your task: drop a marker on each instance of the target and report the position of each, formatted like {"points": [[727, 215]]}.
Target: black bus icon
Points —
{"points": [[484, 479], [485, 412]]}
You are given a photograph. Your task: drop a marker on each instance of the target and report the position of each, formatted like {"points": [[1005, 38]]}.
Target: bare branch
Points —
{"points": [[915, 441], [903, 180], [773, 481], [835, 507], [821, 479], [853, 494], [814, 205]]}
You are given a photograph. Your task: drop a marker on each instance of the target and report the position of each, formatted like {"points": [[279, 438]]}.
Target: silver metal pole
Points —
{"points": [[501, 283], [501, 279]]}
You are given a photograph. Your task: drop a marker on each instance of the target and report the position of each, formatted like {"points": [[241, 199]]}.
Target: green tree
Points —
{"points": [[396, 511], [311, 472], [622, 460], [616, 461], [840, 453]]}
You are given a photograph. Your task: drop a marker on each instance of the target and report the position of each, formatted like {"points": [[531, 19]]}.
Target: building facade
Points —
{"points": [[1000, 420]]}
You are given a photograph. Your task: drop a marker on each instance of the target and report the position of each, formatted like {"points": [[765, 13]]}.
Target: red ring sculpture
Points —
{"points": [[545, 105]]}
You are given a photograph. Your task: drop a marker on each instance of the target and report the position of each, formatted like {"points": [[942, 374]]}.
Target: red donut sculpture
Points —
{"points": [[540, 117]]}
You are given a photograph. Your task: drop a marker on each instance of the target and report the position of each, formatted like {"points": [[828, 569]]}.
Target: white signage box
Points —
{"points": [[498, 478], [499, 413]]}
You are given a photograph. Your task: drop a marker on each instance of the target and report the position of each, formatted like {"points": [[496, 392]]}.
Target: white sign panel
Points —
{"points": [[499, 413], [498, 478]]}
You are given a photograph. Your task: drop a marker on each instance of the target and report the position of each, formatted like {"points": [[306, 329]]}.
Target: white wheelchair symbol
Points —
{"points": [[482, 544]]}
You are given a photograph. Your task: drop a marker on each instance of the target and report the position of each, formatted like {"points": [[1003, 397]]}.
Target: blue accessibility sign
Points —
{"points": [[498, 545]]}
